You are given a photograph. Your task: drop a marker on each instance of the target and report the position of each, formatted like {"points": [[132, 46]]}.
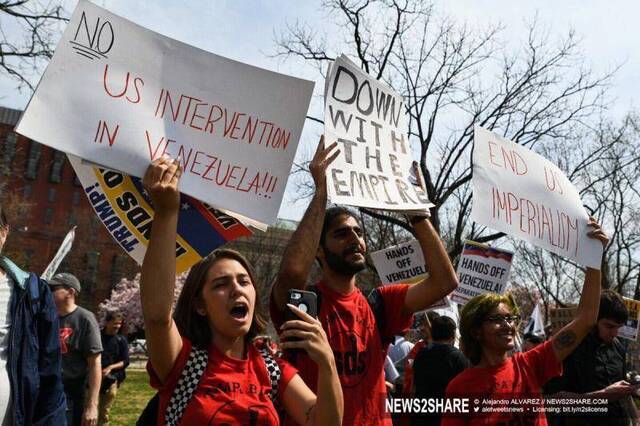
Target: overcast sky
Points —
{"points": [[244, 30]]}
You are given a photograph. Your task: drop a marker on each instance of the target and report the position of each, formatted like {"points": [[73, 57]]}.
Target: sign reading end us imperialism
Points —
{"points": [[481, 269], [375, 166], [630, 329], [403, 263]]}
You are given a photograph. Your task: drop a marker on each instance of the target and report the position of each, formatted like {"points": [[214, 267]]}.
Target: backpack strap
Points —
{"points": [[33, 292], [274, 374], [187, 384]]}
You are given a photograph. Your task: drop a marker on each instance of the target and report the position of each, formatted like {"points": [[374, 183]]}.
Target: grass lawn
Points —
{"points": [[132, 397]]}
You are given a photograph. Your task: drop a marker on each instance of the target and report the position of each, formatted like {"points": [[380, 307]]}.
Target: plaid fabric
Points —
{"points": [[187, 384], [274, 375]]}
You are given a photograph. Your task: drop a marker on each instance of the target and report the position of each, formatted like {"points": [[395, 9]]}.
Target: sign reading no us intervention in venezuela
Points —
{"points": [[481, 269], [403, 263], [120, 95], [518, 192], [367, 119], [125, 210]]}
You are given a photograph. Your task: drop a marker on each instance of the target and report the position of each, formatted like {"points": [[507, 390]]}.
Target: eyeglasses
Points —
{"points": [[498, 319]]}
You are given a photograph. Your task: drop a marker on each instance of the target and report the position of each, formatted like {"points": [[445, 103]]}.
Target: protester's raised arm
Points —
{"points": [[442, 278], [570, 336], [158, 277], [301, 251]]}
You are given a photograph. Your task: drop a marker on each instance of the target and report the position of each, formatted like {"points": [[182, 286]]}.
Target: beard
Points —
{"points": [[342, 266]]}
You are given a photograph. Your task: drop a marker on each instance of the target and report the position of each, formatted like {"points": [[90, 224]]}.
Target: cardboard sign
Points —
{"points": [[404, 263], [125, 210], [375, 165], [559, 317], [481, 269], [518, 192], [119, 95], [630, 329], [64, 249]]}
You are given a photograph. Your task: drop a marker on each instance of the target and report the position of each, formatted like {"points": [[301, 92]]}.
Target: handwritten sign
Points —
{"points": [[559, 317], [119, 95], [481, 269], [125, 210], [629, 330], [367, 119], [518, 192], [404, 263]]}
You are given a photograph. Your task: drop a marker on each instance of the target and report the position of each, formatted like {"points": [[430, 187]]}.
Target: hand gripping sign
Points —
{"points": [[120, 95], [520, 193]]}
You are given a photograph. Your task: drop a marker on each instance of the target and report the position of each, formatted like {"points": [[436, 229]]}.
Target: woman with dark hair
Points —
{"points": [[488, 325], [217, 311]]}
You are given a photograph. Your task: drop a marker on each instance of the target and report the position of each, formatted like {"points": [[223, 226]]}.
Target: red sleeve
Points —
{"points": [[397, 322], [287, 372], [172, 379], [276, 316], [542, 360]]}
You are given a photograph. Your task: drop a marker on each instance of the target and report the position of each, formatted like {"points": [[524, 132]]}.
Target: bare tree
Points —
{"points": [[29, 30], [453, 78]]}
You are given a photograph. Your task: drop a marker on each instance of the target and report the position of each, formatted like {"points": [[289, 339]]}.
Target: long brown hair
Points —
{"points": [[194, 326]]}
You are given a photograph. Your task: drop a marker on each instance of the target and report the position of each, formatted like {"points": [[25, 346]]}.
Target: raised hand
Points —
{"points": [[312, 337], [597, 232], [321, 161], [161, 182]]}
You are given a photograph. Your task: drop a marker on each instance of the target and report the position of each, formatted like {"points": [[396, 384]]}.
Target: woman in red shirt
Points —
{"points": [[488, 325], [216, 311]]}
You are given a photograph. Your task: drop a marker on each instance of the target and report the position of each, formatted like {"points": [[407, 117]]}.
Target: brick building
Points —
{"points": [[44, 200]]}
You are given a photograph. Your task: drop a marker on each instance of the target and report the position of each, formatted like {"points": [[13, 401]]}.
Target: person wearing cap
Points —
{"points": [[31, 389], [81, 347]]}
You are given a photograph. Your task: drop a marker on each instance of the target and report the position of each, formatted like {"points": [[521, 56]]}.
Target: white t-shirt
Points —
{"points": [[6, 289]]}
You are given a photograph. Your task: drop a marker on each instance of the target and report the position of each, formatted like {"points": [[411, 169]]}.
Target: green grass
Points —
{"points": [[132, 397]]}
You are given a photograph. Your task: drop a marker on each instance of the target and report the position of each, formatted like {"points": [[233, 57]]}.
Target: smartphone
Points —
{"points": [[306, 301]]}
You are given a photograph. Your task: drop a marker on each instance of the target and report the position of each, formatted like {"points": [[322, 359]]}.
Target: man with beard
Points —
{"points": [[359, 329]]}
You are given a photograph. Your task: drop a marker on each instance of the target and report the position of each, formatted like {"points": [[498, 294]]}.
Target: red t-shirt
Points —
{"points": [[520, 377], [358, 348], [231, 391], [408, 367]]}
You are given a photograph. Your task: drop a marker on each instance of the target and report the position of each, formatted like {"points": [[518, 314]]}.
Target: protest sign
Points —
{"points": [[630, 329], [403, 263], [375, 166], [64, 249], [520, 193], [559, 317], [125, 210], [120, 95], [481, 269]]}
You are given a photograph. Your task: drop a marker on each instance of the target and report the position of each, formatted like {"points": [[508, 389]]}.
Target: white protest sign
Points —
{"points": [[481, 269], [518, 192], [120, 95], [63, 250], [403, 263], [375, 164], [629, 330]]}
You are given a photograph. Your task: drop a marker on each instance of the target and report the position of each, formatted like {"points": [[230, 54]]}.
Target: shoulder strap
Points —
{"points": [[376, 303], [274, 374], [33, 292], [187, 384]]}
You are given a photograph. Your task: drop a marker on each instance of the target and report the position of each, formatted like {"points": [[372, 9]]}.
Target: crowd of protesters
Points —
{"points": [[211, 363]]}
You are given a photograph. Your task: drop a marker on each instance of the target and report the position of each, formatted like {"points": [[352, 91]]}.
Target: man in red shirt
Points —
{"points": [[359, 330]]}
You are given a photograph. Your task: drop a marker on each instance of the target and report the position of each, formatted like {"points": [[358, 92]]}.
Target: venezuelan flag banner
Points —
{"points": [[124, 208], [481, 269]]}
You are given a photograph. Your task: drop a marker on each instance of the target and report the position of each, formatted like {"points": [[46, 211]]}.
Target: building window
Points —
{"points": [[75, 198], [72, 221], [55, 176], [9, 152], [26, 191], [76, 181], [92, 260], [33, 161], [48, 215], [51, 195]]}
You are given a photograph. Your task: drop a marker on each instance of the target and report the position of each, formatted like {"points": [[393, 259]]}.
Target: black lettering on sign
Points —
{"points": [[93, 40]]}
